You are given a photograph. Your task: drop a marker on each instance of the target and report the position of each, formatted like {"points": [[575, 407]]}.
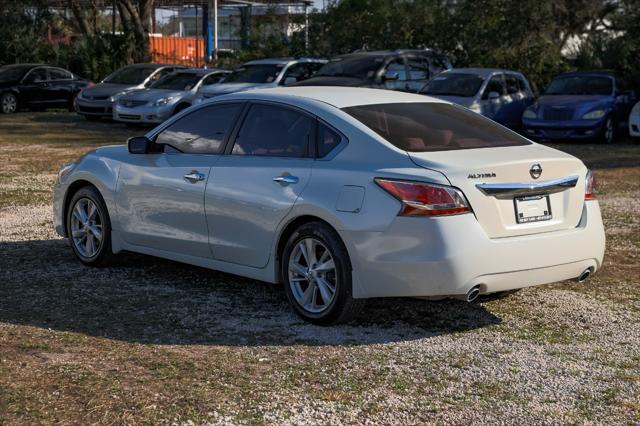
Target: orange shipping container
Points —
{"points": [[177, 50]]}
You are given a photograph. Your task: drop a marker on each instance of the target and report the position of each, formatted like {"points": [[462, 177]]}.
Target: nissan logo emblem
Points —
{"points": [[535, 171]]}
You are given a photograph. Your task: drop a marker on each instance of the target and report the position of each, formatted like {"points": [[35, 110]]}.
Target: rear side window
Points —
{"points": [[423, 127], [273, 131], [201, 132], [58, 74], [327, 140]]}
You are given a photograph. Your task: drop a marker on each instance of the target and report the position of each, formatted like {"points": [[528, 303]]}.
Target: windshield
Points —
{"points": [[451, 84], [423, 127], [177, 81], [580, 85], [13, 72], [130, 75], [361, 67], [262, 73]]}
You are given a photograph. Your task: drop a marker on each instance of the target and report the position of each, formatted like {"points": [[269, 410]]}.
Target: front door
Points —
{"points": [[253, 189], [160, 197]]}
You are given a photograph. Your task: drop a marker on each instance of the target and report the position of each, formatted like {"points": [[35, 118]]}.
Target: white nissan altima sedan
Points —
{"points": [[341, 194]]}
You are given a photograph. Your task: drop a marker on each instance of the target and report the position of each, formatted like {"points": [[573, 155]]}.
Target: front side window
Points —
{"points": [[512, 84], [130, 75], [496, 84], [275, 132], [259, 73], [418, 69], [38, 75], [580, 85], [423, 127], [397, 68], [453, 84], [202, 131]]}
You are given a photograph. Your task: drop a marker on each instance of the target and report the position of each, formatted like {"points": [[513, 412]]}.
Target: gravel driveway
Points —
{"points": [[153, 341]]}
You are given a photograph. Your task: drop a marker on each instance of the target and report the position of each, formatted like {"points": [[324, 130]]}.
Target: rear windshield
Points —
{"points": [[424, 127]]}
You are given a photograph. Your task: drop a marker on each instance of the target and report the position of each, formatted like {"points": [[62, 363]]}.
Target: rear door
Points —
{"points": [[160, 197], [253, 188], [61, 86]]}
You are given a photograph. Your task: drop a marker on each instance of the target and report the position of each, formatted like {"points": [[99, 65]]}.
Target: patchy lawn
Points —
{"points": [[153, 341]]}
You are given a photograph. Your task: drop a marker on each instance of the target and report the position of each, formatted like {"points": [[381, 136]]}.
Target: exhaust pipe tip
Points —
{"points": [[473, 294], [584, 275]]}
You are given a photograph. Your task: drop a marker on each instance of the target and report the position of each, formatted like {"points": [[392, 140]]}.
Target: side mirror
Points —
{"points": [[289, 80], [140, 145], [391, 76], [494, 95]]}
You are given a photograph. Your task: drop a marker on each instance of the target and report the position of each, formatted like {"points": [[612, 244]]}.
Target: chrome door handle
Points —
{"points": [[286, 179], [194, 177]]}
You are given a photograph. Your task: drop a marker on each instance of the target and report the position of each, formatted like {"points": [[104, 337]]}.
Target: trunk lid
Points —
{"points": [[510, 167]]}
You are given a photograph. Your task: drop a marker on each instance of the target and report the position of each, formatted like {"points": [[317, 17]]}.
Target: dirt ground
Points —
{"points": [[154, 341]]}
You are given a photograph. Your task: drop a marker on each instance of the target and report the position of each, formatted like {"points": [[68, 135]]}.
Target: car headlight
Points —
{"points": [[636, 109], [530, 113], [163, 101], [115, 97], [594, 115], [64, 170]]}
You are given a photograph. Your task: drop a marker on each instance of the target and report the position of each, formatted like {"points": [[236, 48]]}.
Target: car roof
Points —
{"points": [[339, 97], [282, 61], [481, 72], [602, 73]]}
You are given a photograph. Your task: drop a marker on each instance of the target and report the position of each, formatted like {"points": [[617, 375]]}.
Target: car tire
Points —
{"points": [[89, 228], [315, 266], [8, 103], [608, 131]]}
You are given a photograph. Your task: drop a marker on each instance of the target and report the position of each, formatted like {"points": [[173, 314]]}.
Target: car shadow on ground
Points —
{"points": [[147, 300]]}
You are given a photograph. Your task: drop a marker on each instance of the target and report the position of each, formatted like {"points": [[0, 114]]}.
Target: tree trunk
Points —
{"points": [[80, 17], [139, 19]]}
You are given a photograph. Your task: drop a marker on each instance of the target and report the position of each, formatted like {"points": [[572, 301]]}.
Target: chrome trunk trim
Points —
{"points": [[508, 190]]}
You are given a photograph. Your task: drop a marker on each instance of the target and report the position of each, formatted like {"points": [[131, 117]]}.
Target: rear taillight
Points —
{"points": [[589, 186], [425, 199]]}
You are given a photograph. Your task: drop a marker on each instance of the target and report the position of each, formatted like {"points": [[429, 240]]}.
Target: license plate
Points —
{"points": [[533, 208]]}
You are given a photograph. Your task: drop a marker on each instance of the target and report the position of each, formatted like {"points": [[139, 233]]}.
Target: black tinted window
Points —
{"points": [[421, 127], [512, 84], [201, 132], [37, 75], [496, 84], [58, 74], [327, 140], [272, 131]]}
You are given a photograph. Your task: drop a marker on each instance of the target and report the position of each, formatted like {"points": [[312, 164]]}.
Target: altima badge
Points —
{"points": [[535, 171]]}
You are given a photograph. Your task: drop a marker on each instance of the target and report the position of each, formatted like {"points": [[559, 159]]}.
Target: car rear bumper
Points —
{"points": [[447, 256], [558, 130], [150, 115]]}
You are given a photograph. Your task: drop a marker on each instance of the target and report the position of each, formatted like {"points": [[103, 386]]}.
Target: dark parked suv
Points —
{"points": [[405, 70]]}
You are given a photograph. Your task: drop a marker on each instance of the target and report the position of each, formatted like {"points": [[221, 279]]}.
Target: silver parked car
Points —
{"points": [[340, 194], [501, 95], [97, 102], [265, 73], [165, 97]]}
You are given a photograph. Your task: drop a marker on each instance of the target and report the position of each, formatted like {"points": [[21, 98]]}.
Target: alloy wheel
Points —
{"points": [[9, 103], [86, 228], [312, 275], [608, 131]]}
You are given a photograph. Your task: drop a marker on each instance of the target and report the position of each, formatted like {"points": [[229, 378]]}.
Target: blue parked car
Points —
{"points": [[586, 105], [501, 95]]}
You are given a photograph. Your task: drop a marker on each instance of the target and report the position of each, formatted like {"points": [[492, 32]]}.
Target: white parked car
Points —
{"points": [[634, 121], [264, 74], [166, 97], [341, 194]]}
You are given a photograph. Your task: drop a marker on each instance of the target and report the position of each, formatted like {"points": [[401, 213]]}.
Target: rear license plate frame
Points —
{"points": [[519, 203]]}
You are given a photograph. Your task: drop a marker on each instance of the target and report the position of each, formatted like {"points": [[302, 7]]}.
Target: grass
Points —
{"points": [[153, 341]]}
